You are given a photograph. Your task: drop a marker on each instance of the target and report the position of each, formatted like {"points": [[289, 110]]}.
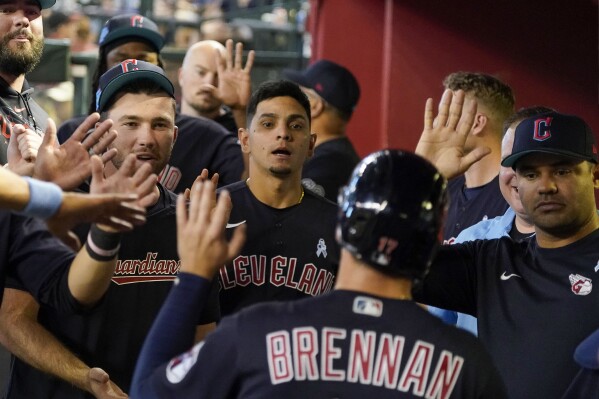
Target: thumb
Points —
{"points": [[50, 135], [13, 143]]}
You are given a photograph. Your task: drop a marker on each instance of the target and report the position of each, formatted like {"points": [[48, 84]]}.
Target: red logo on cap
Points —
{"points": [[129, 65], [318, 87], [137, 21], [542, 131]]}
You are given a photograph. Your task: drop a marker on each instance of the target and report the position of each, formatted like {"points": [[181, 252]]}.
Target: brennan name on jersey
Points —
{"points": [[305, 354], [252, 269]]}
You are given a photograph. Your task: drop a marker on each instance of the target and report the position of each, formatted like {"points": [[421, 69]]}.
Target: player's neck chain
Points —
{"points": [[247, 182]]}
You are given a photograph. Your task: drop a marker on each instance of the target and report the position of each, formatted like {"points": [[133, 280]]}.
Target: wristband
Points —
{"points": [[44, 199], [102, 246]]}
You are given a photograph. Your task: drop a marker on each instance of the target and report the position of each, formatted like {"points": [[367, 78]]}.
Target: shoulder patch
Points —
{"points": [[177, 368]]}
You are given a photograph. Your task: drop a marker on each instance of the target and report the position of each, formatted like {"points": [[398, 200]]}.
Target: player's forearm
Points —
{"points": [[22, 335], [93, 267], [14, 191], [177, 318]]}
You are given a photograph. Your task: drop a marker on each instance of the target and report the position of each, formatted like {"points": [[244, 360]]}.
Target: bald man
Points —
{"points": [[214, 84]]}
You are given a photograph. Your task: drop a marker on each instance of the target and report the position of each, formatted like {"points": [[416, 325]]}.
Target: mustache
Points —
{"points": [[21, 32]]}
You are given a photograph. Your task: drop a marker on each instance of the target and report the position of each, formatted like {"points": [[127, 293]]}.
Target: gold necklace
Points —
{"points": [[247, 182]]}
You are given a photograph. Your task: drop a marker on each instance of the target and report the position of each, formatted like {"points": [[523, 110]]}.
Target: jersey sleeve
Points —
{"points": [[159, 373], [452, 280]]}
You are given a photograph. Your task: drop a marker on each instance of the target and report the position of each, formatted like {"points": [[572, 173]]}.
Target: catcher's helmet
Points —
{"points": [[390, 212]]}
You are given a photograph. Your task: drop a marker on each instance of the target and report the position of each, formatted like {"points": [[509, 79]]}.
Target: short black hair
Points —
{"points": [[277, 88]]}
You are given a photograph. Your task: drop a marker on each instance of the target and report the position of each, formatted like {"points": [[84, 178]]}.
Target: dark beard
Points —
{"points": [[22, 60]]}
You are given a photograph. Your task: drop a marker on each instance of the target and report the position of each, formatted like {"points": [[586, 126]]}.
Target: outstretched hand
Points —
{"points": [[127, 180], [444, 137], [102, 387], [234, 80], [68, 165], [202, 177], [201, 242]]}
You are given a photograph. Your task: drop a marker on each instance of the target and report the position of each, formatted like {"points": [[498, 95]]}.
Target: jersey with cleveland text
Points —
{"points": [[534, 305], [288, 253]]}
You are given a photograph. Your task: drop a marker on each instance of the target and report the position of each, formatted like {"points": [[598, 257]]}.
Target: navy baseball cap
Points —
{"points": [[553, 133], [128, 71], [336, 84], [128, 27], [46, 3]]}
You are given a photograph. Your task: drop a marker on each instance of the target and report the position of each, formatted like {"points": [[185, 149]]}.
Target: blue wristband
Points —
{"points": [[44, 199]]}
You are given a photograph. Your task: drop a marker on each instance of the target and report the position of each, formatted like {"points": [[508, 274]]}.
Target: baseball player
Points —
{"points": [[290, 250], [140, 99], [534, 299], [514, 223], [201, 143], [475, 195], [333, 92], [349, 343]]}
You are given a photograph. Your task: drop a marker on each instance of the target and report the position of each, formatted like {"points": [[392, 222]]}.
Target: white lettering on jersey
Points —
{"points": [[445, 375], [330, 353], [361, 356], [417, 368], [306, 348], [388, 361], [246, 270], [279, 357], [170, 177], [371, 360]]}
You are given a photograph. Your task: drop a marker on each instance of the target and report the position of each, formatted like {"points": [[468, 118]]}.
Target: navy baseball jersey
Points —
{"points": [[330, 167], [18, 108], [288, 253], [466, 208], [534, 305], [110, 336], [30, 253], [344, 344], [201, 143]]}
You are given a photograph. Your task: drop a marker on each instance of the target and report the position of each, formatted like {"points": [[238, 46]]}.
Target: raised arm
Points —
{"points": [[444, 136], [234, 80], [203, 248], [93, 267]]}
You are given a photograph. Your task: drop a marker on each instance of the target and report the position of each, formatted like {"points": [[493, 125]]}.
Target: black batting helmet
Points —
{"points": [[390, 212]]}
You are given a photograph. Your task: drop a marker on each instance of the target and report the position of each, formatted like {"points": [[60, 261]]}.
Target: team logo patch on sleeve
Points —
{"points": [[580, 284], [178, 368], [368, 306]]}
